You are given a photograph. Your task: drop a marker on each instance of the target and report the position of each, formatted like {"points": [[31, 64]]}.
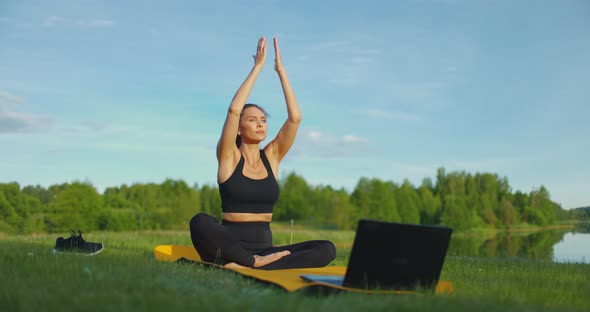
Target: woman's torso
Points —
{"points": [[249, 194]]}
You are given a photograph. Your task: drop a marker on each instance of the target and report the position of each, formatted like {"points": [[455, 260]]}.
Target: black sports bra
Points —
{"points": [[242, 194]]}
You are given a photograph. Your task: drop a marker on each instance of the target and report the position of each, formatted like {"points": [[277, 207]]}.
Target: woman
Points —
{"points": [[247, 177]]}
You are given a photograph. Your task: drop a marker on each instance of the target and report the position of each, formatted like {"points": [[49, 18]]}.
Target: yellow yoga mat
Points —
{"points": [[288, 279]]}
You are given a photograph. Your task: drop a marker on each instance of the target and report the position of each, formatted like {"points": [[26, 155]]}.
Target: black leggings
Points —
{"points": [[238, 242]]}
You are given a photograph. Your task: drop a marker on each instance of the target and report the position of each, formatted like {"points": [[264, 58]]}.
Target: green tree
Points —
{"points": [[21, 212], [430, 205], [210, 201], [473, 200], [77, 206], [488, 190], [44, 195], [332, 207], [293, 202], [542, 206], [376, 200], [455, 212], [146, 197], [342, 212], [178, 203], [520, 202], [408, 203], [119, 213], [508, 214], [8, 217]]}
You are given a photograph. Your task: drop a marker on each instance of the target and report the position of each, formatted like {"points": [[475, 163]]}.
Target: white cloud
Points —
{"points": [[7, 99], [18, 122], [316, 143], [98, 23], [12, 121], [354, 139], [87, 126], [347, 61], [315, 136], [53, 21]]}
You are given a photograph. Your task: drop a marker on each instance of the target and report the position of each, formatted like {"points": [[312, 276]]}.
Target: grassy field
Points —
{"points": [[125, 277]]}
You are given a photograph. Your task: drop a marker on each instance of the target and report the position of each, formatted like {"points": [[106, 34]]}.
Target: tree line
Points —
{"points": [[582, 212], [457, 199]]}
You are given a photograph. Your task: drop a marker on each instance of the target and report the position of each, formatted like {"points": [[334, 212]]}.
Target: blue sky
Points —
{"points": [[115, 92]]}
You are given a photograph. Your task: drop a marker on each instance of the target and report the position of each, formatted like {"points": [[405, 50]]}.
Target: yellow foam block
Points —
{"points": [[288, 279]]}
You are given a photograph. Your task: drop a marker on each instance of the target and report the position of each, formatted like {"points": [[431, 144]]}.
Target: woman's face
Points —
{"points": [[253, 126]]}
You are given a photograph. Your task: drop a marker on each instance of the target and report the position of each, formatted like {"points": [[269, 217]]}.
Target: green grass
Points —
{"points": [[125, 277]]}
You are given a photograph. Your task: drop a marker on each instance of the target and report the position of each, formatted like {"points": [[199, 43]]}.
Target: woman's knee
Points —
{"points": [[325, 252], [199, 222], [331, 250]]}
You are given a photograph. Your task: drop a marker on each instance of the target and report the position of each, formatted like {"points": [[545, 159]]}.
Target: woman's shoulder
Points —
{"points": [[227, 166], [271, 155]]}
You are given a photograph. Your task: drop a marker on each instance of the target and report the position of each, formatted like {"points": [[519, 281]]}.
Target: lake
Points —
{"points": [[574, 247], [569, 245]]}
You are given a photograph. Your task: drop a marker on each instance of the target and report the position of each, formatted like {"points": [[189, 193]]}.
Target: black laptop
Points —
{"points": [[387, 255]]}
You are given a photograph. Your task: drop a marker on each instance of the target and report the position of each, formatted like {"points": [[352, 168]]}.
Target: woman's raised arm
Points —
{"points": [[281, 144], [226, 146]]}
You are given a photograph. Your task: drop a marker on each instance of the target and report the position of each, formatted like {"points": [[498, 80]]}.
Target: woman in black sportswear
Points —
{"points": [[247, 178]]}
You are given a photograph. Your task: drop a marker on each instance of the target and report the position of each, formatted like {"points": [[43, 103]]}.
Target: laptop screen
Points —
{"points": [[387, 255]]}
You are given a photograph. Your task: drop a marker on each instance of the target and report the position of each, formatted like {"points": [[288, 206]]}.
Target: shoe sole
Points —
{"points": [[78, 253]]}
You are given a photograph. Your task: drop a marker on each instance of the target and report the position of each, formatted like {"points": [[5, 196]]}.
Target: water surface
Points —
{"points": [[569, 245], [574, 247]]}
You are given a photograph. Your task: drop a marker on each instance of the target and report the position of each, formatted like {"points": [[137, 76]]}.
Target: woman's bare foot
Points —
{"points": [[233, 265], [264, 260], [259, 260]]}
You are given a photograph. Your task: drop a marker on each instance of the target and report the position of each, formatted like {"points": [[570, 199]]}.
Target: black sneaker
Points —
{"points": [[75, 243]]}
